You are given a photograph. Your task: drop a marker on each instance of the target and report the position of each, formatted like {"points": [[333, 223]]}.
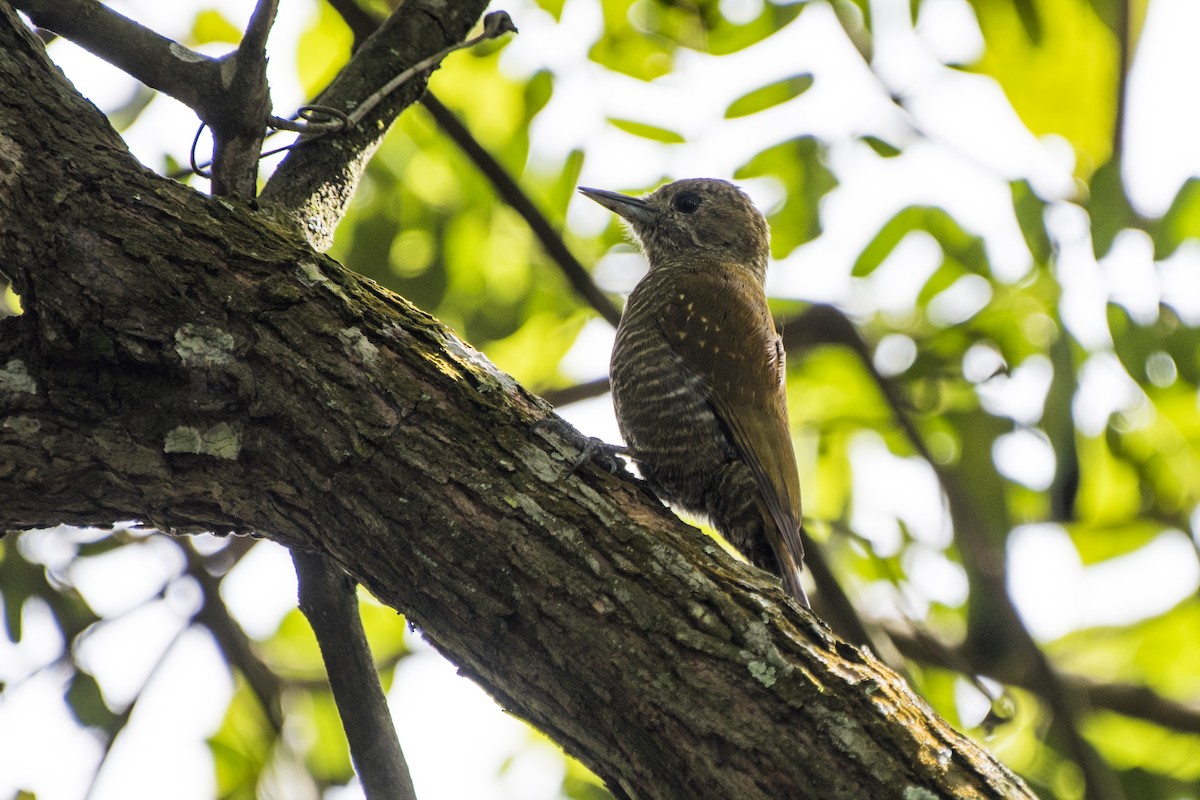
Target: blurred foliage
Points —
{"points": [[978, 358]]}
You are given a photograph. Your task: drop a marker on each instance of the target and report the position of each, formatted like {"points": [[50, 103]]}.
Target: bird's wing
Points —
{"points": [[725, 334]]}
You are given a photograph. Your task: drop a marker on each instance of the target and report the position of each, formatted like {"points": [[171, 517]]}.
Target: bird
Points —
{"points": [[697, 370]]}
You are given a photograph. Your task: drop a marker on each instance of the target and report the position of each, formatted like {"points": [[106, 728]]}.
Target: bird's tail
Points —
{"points": [[791, 577]]}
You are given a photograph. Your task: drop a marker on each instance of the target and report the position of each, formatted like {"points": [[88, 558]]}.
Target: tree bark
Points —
{"points": [[190, 363]]}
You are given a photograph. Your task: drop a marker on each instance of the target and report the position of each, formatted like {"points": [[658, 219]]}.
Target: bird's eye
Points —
{"points": [[687, 202]]}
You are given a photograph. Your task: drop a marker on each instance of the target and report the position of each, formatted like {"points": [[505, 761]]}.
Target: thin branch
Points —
{"points": [[551, 239], [233, 641], [239, 124], [328, 600], [155, 60], [1130, 700], [495, 24], [255, 38]]}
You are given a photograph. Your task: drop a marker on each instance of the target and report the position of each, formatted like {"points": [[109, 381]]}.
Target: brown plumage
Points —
{"points": [[698, 370]]}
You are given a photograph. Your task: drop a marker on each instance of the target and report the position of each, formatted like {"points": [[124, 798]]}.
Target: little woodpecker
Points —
{"points": [[698, 370]]}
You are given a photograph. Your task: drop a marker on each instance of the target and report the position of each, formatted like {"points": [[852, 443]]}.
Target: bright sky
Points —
{"points": [[962, 168]]}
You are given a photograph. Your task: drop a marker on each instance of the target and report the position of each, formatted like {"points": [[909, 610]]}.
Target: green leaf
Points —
{"points": [[1138, 346], [562, 191], [241, 748], [87, 703], [328, 754], [629, 49], [1099, 543], [1030, 211], [292, 650], [1109, 208], [770, 95], [1109, 492], [1058, 64], [726, 36], [212, 26], [881, 147], [798, 164], [963, 248], [646, 131], [324, 49], [537, 92], [1181, 222], [554, 7]]}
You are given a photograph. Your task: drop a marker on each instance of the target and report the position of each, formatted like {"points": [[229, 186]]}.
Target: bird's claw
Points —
{"points": [[593, 447], [608, 455]]}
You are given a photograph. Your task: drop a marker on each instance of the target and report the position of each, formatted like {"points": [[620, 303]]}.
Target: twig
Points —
{"points": [[495, 24]]}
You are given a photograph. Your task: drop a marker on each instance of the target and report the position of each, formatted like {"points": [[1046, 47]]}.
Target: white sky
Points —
{"points": [[975, 145]]}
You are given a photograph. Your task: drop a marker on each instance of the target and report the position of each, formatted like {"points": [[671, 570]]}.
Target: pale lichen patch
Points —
{"points": [[185, 55], [358, 345], [219, 441], [203, 345], [310, 273], [12, 161], [762, 672], [24, 426], [918, 793], [15, 378]]}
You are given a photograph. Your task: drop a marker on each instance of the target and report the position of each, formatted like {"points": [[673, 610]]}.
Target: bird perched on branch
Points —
{"points": [[698, 370]]}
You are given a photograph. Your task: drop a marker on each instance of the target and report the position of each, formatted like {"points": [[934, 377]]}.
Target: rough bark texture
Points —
{"points": [[186, 362]]}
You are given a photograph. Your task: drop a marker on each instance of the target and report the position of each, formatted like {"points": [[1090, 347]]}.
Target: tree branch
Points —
{"points": [[155, 60], [183, 361], [1131, 700], [240, 122], [328, 600], [312, 186], [551, 240]]}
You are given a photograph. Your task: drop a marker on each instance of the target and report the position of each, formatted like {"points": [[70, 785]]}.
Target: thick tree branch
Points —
{"points": [[183, 361]]}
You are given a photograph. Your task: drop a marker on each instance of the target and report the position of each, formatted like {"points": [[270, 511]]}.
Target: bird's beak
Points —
{"points": [[634, 209]]}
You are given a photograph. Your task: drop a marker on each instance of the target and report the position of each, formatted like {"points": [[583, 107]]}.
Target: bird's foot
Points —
{"points": [[607, 455]]}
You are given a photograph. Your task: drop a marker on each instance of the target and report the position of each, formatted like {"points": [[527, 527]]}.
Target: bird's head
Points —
{"points": [[694, 219]]}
